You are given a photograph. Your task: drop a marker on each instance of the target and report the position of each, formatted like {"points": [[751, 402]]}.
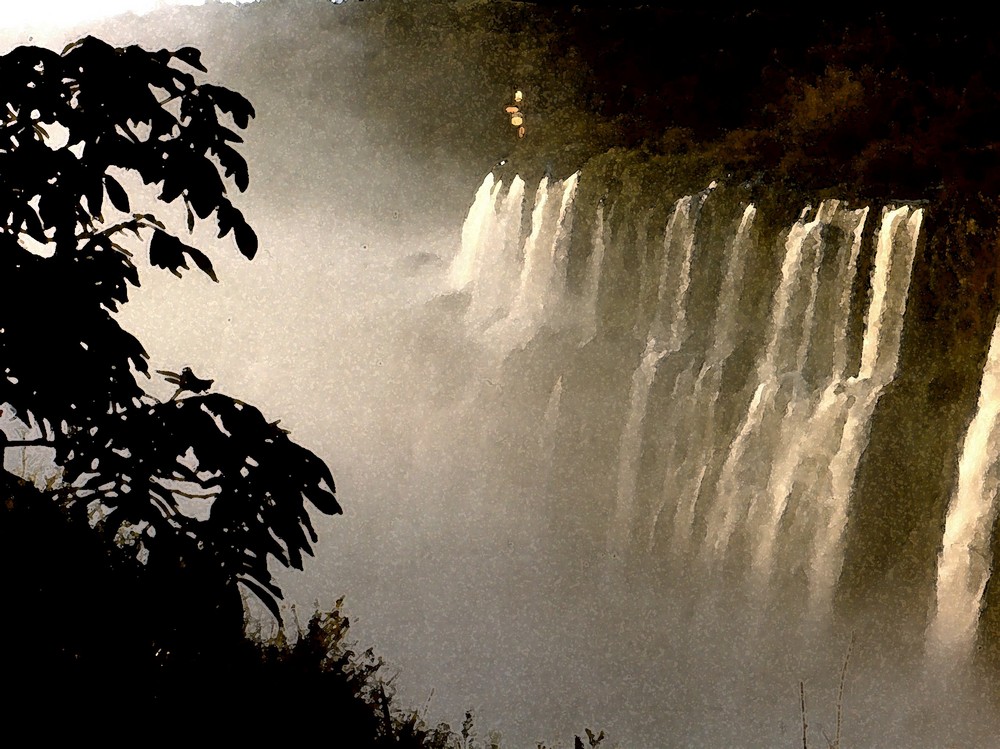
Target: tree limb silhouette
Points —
{"points": [[68, 362]]}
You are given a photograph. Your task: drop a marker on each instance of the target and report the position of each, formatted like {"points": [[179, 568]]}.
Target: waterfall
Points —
{"points": [[896, 248], [966, 559], [691, 419], [690, 450], [595, 265], [810, 439], [497, 266], [794, 459], [515, 287], [631, 444], [475, 231], [664, 338], [846, 410], [543, 274], [769, 460], [779, 399]]}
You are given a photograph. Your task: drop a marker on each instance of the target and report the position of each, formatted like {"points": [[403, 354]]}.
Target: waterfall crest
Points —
{"points": [[516, 285]]}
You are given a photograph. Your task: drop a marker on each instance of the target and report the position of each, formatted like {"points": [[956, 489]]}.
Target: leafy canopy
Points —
{"points": [[197, 479]]}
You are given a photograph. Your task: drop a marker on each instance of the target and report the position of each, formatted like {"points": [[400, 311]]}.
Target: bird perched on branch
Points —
{"points": [[186, 380]]}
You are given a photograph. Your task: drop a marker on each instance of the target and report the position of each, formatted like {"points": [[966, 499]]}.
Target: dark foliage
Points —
{"points": [[122, 604], [130, 461], [96, 646], [879, 103], [251, 479], [127, 108]]}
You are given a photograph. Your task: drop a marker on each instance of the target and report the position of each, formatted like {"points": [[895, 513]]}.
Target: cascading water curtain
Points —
{"points": [[966, 558], [785, 469]]}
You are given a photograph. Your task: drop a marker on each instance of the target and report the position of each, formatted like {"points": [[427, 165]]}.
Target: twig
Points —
{"points": [[840, 692], [386, 715], [427, 705], [192, 495], [802, 697]]}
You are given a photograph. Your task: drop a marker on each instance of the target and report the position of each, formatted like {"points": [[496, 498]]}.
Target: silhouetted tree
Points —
{"points": [[200, 482]]}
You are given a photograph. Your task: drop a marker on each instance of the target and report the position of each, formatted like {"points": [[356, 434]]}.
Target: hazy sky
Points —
{"points": [[63, 13]]}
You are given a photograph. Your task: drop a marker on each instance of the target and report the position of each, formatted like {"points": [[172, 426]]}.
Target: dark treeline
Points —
{"points": [[95, 645], [895, 104]]}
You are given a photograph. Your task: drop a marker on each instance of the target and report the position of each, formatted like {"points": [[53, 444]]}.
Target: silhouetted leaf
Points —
{"points": [[56, 210], [231, 102], [172, 189], [246, 239], [31, 225], [149, 217], [110, 272], [203, 198], [226, 215], [268, 597], [161, 123], [116, 194], [233, 164], [202, 261], [94, 192], [191, 56], [228, 135], [166, 251]]}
